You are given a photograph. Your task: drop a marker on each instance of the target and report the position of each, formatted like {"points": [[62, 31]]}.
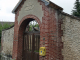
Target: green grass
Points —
{"points": [[35, 50]]}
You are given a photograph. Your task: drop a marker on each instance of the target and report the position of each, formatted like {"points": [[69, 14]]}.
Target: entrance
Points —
{"points": [[31, 42]]}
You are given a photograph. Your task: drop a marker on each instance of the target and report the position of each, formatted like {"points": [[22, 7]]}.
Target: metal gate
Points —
{"points": [[31, 46]]}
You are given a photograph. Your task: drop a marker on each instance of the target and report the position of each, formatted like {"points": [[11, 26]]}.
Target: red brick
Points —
{"points": [[48, 29]]}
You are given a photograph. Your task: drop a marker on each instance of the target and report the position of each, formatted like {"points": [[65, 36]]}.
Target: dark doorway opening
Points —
{"points": [[31, 41]]}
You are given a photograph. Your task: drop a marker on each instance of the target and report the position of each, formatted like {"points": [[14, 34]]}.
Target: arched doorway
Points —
{"points": [[19, 30], [31, 41]]}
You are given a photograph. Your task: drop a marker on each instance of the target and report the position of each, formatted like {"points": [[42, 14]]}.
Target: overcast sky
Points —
{"points": [[6, 7]]}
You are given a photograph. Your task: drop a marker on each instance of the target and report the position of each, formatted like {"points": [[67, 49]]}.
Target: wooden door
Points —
{"points": [[31, 46]]}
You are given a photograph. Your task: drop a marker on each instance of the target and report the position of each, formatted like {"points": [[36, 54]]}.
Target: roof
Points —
{"points": [[8, 28], [55, 6], [47, 3], [13, 11], [70, 15]]}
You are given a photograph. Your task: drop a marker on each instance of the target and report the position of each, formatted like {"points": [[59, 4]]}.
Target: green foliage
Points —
{"points": [[33, 25], [76, 11], [36, 25], [4, 26], [30, 27]]}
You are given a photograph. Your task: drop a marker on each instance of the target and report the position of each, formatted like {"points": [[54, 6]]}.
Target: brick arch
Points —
{"points": [[30, 16], [22, 25]]}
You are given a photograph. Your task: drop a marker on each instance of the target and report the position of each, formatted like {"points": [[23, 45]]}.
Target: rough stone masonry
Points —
{"points": [[60, 30]]}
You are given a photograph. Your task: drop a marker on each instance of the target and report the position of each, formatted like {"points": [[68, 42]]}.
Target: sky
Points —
{"points": [[6, 7]]}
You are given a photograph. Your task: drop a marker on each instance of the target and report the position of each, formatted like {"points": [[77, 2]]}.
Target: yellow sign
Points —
{"points": [[42, 51]]}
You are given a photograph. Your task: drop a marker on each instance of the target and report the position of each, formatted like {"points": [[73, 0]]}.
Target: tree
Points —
{"points": [[76, 11], [33, 24]]}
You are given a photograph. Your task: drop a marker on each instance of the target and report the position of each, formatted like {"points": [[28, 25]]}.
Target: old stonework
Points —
{"points": [[41, 24]]}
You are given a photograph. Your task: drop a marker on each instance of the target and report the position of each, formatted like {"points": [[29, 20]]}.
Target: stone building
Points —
{"points": [[59, 32]]}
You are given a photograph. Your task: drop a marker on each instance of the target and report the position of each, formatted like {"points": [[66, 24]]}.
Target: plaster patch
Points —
{"points": [[31, 7]]}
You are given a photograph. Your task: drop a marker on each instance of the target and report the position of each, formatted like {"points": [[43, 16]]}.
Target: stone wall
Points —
{"points": [[7, 41], [71, 38]]}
